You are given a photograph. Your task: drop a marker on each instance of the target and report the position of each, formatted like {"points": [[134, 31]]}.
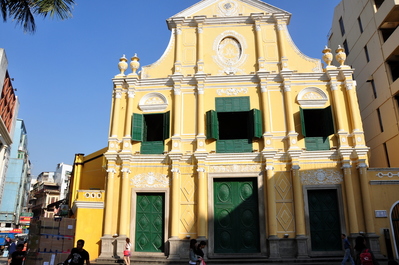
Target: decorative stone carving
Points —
{"points": [[150, 179], [327, 56], [312, 97], [232, 91], [340, 55], [235, 168], [134, 64], [153, 102], [229, 48], [228, 8], [122, 65], [320, 177]]}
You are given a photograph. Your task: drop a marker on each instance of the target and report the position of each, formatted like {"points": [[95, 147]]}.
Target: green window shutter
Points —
{"points": [[137, 127], [328, 123], [234, 146], [153, 147], [302, 114], [166, 125], [212, 130], [255, 119], [232, 104], [317, 143]]}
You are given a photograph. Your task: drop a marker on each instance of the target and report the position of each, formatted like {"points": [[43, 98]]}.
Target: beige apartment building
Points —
{"points": [[368, 30]]}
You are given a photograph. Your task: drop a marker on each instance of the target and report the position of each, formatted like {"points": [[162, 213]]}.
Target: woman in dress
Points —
{"points": [[126, 252]]}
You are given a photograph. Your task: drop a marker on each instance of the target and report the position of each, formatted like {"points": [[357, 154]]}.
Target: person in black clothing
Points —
{"points": [[78, 255], [360, 246], [199, 248], [18, 256]]}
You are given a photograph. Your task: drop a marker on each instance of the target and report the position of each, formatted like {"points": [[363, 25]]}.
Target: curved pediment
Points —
{"points": [[312, 97]]}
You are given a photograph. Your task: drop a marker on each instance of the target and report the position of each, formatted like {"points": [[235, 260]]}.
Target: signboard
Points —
{"points": [[24, 219]]}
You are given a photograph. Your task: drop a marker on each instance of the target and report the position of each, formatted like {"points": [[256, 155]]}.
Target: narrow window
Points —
{"points": [[341, 26], [386, 154], [359, 21], [346, 47], [373, 87], [366, 52], [393, 63], [380, 120]]}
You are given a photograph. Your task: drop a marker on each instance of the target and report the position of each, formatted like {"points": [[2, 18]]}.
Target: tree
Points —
{"points": [[23, 11]]}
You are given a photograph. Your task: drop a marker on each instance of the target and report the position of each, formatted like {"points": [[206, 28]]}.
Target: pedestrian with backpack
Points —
{"points": [[364, 256]]}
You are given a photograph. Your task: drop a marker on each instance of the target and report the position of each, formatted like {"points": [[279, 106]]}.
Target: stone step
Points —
{"points": [[164, 261]]}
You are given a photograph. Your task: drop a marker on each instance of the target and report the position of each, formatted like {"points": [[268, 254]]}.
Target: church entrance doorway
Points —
{"points": [[150, 212], [236, 216]]}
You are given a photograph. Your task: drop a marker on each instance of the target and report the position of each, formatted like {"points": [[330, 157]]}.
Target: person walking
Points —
{"points": [[194, 258], [18, 256], [364, 256], [126, 252], [78, 255], [347, 248]]}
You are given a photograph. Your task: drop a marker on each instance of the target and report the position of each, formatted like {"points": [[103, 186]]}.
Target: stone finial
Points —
{"points": [[122, 65], [134, 64], [327, 56], [340, 55]]}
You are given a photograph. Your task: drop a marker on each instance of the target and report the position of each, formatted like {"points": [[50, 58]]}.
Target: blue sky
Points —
{"points": [[63, 72]]}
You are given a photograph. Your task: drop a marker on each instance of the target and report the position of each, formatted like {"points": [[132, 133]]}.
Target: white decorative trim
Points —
{"points": [[312, 97], [88, 205], [389, 175], [232, 91], [153, 102], [150, 179], [235, 168], [321, 177], [230, 67]]}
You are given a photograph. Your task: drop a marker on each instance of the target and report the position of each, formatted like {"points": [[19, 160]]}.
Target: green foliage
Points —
{"points": [[24, 11]]}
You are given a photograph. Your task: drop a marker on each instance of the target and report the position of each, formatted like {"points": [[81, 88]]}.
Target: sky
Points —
{"points": [[63, 72]]}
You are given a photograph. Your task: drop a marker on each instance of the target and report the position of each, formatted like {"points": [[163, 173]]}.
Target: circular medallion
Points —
{"points": [[229, 51]]}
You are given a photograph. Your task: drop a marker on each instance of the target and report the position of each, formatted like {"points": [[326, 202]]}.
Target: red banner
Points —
{"points": [[24, 219]]}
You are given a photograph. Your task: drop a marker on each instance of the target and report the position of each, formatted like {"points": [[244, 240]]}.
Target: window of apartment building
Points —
{"points": [[378, 3], [346, 47], [317, 125], [359, 21], [388, 27], [151, 130], [366, 52], [380, 119], [393, 65], [372, 83], [341, 26], [233, 125], [386, 154]]}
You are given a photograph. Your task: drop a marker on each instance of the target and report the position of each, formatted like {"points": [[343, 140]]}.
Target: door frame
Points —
{"points": [[395, 244], [341, 212], [165, 191], [261, 211]]}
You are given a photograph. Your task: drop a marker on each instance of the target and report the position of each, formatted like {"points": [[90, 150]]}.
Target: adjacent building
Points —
{"points": [[8, 113], [236, 138], [44, 192], [17, 181], [368, 30]]}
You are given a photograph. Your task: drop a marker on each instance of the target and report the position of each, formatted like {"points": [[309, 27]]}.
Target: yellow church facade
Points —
{"points": [[236, 138]]}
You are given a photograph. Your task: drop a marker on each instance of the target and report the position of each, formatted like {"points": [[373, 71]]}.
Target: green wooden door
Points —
{"points": [[325, 226], [150, 209], [236, 222]]}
